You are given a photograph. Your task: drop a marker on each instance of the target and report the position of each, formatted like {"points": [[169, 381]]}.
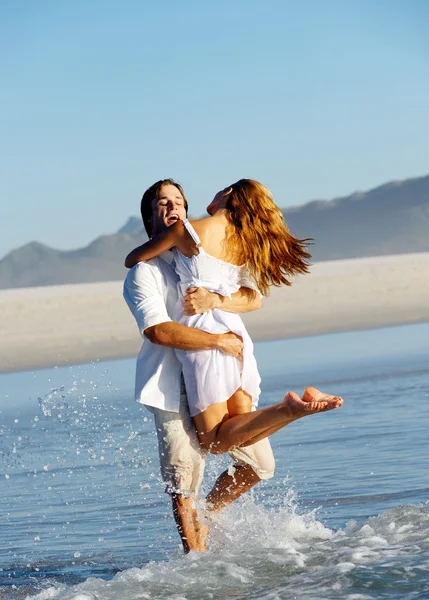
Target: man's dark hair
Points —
{"points": [[151, 194]]}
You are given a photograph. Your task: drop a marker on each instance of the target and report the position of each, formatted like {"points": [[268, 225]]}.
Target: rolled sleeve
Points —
{"points": [[144, 296]]}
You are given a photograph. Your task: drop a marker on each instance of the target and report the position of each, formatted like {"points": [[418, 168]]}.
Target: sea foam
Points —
{"points": [[259, 553]]}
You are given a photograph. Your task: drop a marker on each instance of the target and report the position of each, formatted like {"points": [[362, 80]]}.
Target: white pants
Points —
{"points": [[182, 459]]}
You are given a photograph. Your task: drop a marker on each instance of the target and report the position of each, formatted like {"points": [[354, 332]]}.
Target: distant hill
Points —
{"points": [[390, 219], [36, 264], [133, 226]]}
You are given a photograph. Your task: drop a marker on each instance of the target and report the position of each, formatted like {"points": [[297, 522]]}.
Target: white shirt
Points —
{"points": [[150, 290]]}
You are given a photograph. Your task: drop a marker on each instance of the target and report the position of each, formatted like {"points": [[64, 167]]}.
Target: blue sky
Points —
{"points": [[315, 98]]}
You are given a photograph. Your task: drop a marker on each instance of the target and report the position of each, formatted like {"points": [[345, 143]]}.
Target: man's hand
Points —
{"points": [[199, 300], [231, 344]]}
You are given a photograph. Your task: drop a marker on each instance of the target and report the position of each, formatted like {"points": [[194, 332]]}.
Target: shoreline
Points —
{"points": [[81, 323], [126, 356]]}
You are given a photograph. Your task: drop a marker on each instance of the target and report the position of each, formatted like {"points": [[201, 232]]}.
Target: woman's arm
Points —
{"points": [[200, 300], [163, 241]]}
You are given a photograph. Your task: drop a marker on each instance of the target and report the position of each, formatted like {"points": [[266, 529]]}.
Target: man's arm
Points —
{"points": [[200, 300], [178, 336]]}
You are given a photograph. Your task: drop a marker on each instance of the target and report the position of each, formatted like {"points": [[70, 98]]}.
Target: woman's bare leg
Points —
{"points": [[218, 432], [239, 403], [309, 395]]}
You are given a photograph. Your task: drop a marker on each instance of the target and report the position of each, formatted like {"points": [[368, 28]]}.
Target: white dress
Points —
{"points": [[212, 376]]}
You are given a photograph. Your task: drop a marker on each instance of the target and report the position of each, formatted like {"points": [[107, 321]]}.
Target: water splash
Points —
{"points": [[283, 553]]}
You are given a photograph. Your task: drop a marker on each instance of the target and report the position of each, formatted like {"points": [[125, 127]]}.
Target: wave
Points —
{"points": [[255, 552]]}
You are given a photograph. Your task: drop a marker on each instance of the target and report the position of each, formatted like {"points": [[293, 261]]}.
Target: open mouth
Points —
{"points": [[172, 219]]}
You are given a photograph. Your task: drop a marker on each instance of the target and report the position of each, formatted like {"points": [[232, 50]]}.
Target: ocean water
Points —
{"points": [[346, 516]]}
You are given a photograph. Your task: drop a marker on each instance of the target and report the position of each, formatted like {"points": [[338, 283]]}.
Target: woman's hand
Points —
{"points": [[199, 300]]}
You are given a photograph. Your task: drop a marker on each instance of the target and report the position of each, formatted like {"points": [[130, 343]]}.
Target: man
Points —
{"points": [[151, 294]]}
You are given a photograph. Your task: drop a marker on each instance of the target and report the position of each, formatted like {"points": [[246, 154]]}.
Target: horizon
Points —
{"points": [[316, 101]]}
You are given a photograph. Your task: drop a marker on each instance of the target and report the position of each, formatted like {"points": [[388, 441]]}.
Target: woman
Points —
{"points": [[244, 242]]}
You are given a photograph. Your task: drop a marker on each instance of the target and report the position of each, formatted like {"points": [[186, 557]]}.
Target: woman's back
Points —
{"points": [[212, 233]]}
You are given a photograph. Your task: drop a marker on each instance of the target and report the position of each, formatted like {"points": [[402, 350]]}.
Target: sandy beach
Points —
{"points": [[69, 324]]}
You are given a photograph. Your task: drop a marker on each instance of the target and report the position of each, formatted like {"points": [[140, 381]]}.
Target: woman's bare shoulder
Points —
{"points": [[217, 220], [211, 231], [202, 225], [203, 221]]}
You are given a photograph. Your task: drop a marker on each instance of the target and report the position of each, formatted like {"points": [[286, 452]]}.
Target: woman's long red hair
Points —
{"points": [[258, 237]]}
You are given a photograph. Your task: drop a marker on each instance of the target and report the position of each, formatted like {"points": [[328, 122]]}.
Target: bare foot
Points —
{"points": [[312, 402], [312, 395]]}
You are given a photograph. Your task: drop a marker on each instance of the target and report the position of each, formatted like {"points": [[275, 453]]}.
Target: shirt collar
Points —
{"points": [[167, 257]]}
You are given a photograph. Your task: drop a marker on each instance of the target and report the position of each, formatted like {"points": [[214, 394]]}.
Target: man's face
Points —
{"points": [[167, 208]]}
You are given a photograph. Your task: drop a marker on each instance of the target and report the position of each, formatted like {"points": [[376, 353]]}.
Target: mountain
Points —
{"points": [[36, 264], [390, 219], [133, 226]]}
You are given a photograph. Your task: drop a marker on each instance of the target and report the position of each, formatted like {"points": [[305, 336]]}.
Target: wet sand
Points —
{"points": [[68, 324]]}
